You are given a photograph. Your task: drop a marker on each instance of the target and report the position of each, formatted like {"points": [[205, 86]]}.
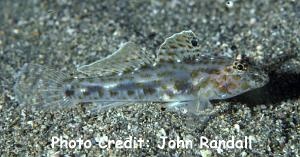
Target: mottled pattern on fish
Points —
{"points": [[180, 76], [164, 82]]}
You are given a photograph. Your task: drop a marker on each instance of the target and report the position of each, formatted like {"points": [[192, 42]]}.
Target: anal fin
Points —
{"points": [[197, 111], [195, 107], [103, 106]]}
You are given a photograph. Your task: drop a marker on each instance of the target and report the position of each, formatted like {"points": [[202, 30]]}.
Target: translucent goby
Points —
{"points": [[178, 76]]}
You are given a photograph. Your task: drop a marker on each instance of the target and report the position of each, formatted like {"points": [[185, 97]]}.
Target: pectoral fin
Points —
{"points": [[127, 58]]}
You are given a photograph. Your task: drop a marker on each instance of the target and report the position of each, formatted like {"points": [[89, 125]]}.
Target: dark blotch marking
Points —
{"points": [[181, 45], [170, 61], [113, 93], [148, 90], [86, 92], [100, 92], [69, 92], [170, 53], [130, 92], [194, 42], [93, 89], [213, 71], [164, 87], [164, 73], [173, 46], [157, 82], [181, 85], [152, 35], [139, 84], [145, 75], [127, 70], [233, 47], [194, 73], [228, 69]]}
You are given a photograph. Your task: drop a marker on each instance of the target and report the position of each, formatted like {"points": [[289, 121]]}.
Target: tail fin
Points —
{"points": [[40, 87]]}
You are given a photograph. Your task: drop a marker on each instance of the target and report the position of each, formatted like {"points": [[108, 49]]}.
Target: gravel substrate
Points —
{"points": [[65, 34]]}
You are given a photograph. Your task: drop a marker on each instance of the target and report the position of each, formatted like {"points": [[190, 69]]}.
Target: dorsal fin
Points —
{"points": [[179, 47], [128, 57]]}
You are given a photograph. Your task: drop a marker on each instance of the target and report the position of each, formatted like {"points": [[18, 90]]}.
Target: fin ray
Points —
{"points": [[127, 58], [179, 46], [195, 107], [40, 87]]}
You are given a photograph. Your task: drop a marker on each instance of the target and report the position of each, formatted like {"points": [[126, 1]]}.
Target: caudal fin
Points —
{"points": [[40, 87]]}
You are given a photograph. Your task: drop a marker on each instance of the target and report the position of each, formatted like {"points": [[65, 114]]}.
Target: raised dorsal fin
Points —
{"points": [[179, 47], [128, 57]]}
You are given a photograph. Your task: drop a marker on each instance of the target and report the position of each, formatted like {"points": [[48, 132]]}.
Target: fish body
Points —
{"points": [[163, 82], [175, 77]]}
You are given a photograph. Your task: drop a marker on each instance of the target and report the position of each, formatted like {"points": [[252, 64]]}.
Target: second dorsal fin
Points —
{"points": [[178, 47], [127, 58]]}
